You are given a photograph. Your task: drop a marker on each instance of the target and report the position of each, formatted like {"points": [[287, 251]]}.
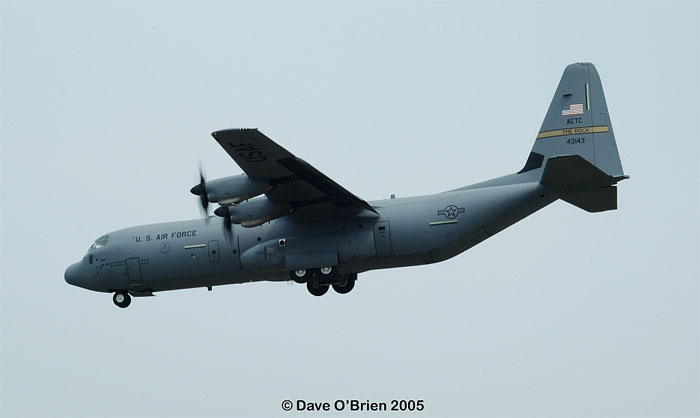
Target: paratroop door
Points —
{"points": [[382, 238]]}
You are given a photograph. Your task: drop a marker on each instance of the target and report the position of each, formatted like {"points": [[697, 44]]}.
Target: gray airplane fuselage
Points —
{"points": [[406, 231], [283, 219]]}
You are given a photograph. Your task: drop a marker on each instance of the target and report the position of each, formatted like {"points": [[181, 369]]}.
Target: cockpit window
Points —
{"points": [[100, 242]]}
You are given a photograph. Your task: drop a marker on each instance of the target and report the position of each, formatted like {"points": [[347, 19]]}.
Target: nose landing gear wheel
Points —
{"points": [[121, 299], [299, 276], [345, 286], [316, 288]]}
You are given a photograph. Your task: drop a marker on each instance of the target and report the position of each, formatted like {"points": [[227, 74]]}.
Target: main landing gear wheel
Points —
{"points": [[316, 288], [327, 272], [345, 286], [300, 276], [121, 299]]}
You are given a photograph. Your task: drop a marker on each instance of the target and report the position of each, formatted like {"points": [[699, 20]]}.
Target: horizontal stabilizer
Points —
{"points": [[573, 171], [598, 200], [581, 183]]}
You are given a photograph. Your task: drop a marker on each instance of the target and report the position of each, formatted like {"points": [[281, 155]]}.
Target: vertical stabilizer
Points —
{"points": [[577, 123]]}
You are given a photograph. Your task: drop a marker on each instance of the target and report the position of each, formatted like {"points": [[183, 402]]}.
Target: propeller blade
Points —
{"points": [[223, 212], [227, 223], [201, 191]]}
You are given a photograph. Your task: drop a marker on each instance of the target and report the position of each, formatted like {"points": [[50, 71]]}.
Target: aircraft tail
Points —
{"points": [[576, 144]]}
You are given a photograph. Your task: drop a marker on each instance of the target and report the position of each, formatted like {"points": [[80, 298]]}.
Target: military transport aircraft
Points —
{"points": [[310, 229]]}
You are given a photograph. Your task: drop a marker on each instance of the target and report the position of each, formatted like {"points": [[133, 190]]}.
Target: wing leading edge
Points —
{"points": [[293, 180]]}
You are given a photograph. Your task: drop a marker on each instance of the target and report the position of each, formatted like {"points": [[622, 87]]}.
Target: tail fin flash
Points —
{"points": [[576, 143]]}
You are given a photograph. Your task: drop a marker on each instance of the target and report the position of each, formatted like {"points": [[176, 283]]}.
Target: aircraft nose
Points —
{"points": [[73, 275]]}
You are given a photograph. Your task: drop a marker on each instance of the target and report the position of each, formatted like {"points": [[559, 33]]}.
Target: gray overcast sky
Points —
{"points": [[108, 106]]}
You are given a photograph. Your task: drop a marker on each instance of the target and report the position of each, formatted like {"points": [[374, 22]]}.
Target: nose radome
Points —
{"points": [[72, 275]]}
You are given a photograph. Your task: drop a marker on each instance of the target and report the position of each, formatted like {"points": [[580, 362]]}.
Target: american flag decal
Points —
{"points": [[574, 109]]}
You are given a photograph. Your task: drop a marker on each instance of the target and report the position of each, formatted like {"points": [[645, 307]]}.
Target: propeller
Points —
{"points": [[223, 212], [227, 222], [201, 191]]}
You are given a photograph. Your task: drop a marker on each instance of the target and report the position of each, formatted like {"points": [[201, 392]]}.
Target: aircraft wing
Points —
{"points": [[293, 180]]}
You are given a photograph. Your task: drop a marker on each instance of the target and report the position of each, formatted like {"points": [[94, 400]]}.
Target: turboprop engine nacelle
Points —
{"points": [[232, 190], [255, 212]]}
